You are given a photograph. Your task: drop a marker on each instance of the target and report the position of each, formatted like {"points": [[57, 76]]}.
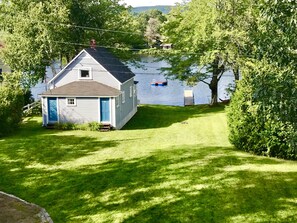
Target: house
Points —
{"points": [[167, 46], [94, 87]]}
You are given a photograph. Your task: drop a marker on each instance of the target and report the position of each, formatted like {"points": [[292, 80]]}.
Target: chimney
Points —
{"points": [[93, 43]]}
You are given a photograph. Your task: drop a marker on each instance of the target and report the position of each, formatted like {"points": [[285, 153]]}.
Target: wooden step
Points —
{"points": [[105, 128], [50, 126]]}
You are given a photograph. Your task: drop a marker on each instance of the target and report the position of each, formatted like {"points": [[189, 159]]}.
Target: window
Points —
{"points": [[134, 90], [131, 91], [85, 73], [123, 97], [71, 101]]}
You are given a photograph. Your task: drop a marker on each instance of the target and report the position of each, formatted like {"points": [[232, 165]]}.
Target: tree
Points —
{"points": [[207, 41], [39, 32], [150, 23], [152, 32], [262, 114], [30, 42], [11, 103]]}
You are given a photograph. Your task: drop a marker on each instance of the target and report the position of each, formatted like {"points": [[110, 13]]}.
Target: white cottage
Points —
{"points": [[94, 87]]}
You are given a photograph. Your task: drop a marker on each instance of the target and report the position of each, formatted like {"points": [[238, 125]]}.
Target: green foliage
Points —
{"points": [[208, 38], [31, 36], [11, 103], [65, 126], [94, 126], [37, 33], [28, 97], [262, 114], [91, 126], [149, 24]]}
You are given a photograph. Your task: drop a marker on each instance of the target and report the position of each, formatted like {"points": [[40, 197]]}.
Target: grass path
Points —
{"points": [[169, 164]]}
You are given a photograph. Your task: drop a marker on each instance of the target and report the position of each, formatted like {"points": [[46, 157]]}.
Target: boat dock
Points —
{"points": [[188, 97]]}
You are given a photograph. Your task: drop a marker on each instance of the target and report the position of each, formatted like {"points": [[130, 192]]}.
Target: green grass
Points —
{"points": [[169, 164]]}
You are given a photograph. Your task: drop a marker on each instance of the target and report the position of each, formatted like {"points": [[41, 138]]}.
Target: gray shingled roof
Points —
{"points": [[111, 63], [83, 89]]}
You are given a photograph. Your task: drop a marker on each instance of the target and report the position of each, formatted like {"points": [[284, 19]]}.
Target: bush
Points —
{"points": [[65, 126], [11, 104], [262, 114], [91, 126], [94, 126]]}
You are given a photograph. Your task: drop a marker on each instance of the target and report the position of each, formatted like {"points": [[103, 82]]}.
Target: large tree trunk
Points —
{"points": [[236, 73], [214, 90], [53, 68], [217, 71]]}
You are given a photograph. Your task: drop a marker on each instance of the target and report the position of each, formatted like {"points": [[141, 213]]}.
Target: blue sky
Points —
{"points": [[136, 3]]}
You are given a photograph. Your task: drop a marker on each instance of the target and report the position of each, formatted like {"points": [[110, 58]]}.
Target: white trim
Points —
{"points": [[114, 112], [76, 96], [47, 121], [85, 78], [58, 109], [44, 111], [105, 122], [71, 105], [110, 110], [55, 77], [99, 110]]}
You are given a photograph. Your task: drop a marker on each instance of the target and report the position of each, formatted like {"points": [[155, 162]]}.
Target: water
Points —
{"points": [[172, 94]]}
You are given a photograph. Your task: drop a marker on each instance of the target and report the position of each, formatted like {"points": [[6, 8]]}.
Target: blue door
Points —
{"points": [[104, 110], [52, 110]]}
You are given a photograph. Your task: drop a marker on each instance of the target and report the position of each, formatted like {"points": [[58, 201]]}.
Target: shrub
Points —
{"points": [[11, 104], [91, 126], [262, 114], [94, 126], [65, 126]]}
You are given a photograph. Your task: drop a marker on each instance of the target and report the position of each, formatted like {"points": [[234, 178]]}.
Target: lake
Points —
{"points": [[172, 94]]}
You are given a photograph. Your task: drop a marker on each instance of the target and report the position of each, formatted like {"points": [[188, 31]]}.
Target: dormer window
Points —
{"points": [[85, 73]]}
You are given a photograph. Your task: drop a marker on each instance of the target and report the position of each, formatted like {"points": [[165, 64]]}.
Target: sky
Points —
{"points": [[135, 3]]}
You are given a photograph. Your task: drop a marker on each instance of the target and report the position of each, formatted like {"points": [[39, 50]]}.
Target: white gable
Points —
{"points": [[84, 61]]}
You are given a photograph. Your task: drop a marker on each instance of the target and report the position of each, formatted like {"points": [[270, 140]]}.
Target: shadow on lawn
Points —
{"points": [[191, 184], [156, 116], [34, 144]]}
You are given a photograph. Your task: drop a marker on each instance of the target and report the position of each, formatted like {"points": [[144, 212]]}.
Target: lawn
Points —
{"points": [[169, 164]]}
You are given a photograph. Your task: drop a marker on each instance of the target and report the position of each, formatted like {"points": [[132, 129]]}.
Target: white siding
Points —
{"points": [[99, 73], [86, 110], [126, 110], [44, 111]]}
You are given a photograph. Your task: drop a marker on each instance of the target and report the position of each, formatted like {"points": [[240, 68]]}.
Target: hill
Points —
{"points": [[163, 8]]}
